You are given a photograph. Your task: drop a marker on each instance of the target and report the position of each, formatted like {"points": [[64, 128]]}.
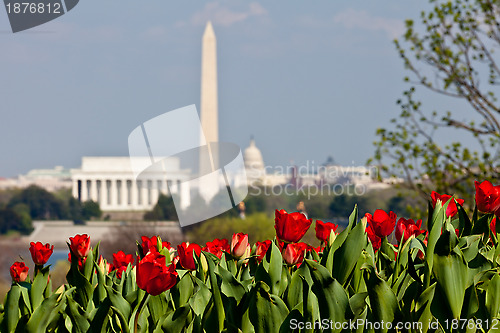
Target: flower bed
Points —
{"points": [[445, 278]]}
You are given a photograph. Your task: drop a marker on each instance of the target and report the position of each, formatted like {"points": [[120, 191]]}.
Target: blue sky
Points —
{"points": [[307, 79]]}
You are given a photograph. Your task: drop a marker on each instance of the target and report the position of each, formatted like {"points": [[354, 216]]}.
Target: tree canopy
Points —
{"points": [[449, 52]]}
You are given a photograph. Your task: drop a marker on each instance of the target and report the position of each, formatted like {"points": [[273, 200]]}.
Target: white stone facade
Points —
{"points": [[110, 181]]}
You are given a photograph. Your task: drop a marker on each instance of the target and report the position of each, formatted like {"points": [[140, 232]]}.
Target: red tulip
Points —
{"points": [[239, 245], [323, 230], [121, 261], [261, 249], [409, 227], [487, 197], [80, 245], [290, 227], [19, 271], [382, 223], [153, 275], [148, 243], [40, 253], [217, 247], [294, 253], [374, 239], [452, 207], [186, 255]]}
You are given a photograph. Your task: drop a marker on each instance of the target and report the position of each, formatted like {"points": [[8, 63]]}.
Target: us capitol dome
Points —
{"points": [[254, 163]]}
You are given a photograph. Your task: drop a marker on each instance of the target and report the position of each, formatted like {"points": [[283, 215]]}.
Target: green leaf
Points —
{"points": [[157, 306], [347, 255], [230, 286], [492, 301], [383, 301], [465, 225], [332, 298], [100, 319], [201, 297], [451, 274], [295, 290], [122, 319], [183, 290], [12, 312], [38, 288], [119, 302], [79, 317], [266, 311], [176, 320], [40, 319], [422, 312], [340, 239], [357, 303], [275, 269], [435, 226], [216, 293]]}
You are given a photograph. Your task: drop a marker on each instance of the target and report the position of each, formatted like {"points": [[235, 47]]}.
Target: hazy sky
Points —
{"points": [[307, 79]]}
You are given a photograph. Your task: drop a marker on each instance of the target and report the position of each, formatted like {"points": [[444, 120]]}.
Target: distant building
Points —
{"points": [[328, 174], [50, 179], [111, 182]]}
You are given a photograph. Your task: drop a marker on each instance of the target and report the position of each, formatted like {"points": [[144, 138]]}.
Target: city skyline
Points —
{"points": [[307, 84]]}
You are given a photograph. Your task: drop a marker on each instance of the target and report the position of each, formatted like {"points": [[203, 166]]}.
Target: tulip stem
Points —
{"points": [[139, 309]]}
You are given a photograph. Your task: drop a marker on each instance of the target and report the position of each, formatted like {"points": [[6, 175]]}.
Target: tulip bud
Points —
{"points": [[261, 249], [103, 265], [240, 246], [204, 263], [293, 254], [332, 237], [80, 245], [19, 271]]}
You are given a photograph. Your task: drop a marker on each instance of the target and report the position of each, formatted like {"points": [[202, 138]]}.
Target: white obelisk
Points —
{"points": [[208, 111], [208, 103]]}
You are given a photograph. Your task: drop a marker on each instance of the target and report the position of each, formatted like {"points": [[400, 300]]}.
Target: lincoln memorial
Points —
{"points": [[110, 181]]}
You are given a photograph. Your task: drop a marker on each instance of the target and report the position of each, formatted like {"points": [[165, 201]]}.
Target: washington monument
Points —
{"points": [[208, 101]]}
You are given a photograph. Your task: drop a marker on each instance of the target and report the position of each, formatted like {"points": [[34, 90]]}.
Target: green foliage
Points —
{"points": [[441, 280], [450, 52], [10, 220], [75, 209], [164, 210], [42, 204], [91, 209]]}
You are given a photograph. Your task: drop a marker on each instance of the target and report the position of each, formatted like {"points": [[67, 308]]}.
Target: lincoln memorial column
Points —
{"points": [[144, 193], [124, 193], [75, 188], [134, 194], [104, 193], [93, 190], [84, 191], [114, 194], [154, 192]]}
